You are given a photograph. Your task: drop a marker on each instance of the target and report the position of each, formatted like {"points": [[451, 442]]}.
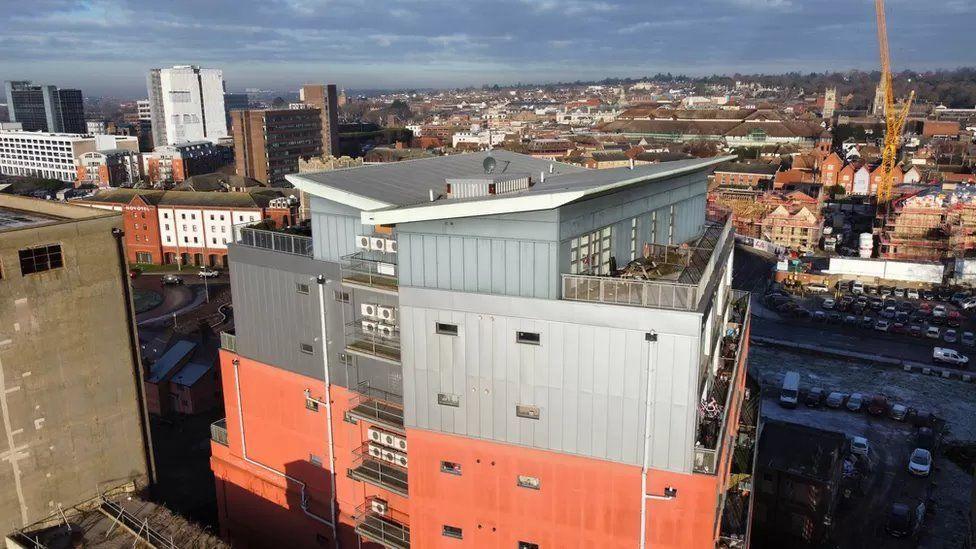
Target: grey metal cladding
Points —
{"points": [[589, 380], [334, 227]]}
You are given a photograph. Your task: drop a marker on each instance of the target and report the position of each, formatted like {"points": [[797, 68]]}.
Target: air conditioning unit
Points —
{"points": [[394, 457], [375, 451], [391, 246], [362, 242], [377, 243], [369, 327], [375, 434], [378, 506], [401, 460], [386, 314], [400, 443], [389, 455], [368, 309], [385, 330], [388, 440]]}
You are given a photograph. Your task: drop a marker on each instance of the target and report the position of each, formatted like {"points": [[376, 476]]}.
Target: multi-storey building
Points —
{"points": [[324, 98], [74, 417], [453, 358], [45, 108], [186, 103], [269, 143], [189, 227], [111, 168], [143, 109], [54, 155], [175, 163]]}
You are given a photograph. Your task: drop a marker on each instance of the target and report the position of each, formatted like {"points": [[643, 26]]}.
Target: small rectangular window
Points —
{"points": [[40, 259], [529, 338], [311, 405], [447, 399], [301, 288], [307, 348], [527, 545], [315, 460], [451, 468], [447, 329], [452, 532], [528, 412], [341, 297], [525, 481]]}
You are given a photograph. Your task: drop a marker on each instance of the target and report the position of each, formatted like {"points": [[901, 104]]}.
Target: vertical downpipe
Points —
{"points": [[651, 338], [328, 406]]}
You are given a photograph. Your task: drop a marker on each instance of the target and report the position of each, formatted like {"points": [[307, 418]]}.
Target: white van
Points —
{"points": [[857, 287], [951, 356], [790, 392], [818, 288]]}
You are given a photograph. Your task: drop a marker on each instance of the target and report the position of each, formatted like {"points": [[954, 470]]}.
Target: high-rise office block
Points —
{"points": [[45, 108], [324, 98], [186, 103], [234, 102], [74, 420], [268, 143], [456, 357]]}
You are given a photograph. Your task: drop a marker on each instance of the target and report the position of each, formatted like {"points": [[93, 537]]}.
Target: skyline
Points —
{"points": [[436, 44]]}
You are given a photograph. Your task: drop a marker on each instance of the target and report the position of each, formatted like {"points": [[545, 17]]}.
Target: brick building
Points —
{"points": [[269, 143], [741, 174], [110, 168], [174, 163]]}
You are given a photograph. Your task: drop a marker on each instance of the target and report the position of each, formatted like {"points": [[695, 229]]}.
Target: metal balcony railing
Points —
{"points": [[228, 341], [218, 431], [260, 234], [378, 472], [378, 407], [389, 528], [372, 270], [374, 339], [718, 389]]}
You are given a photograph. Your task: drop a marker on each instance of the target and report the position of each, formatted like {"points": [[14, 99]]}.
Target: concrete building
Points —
{"points": [[437, 363], [45, 108], [144, 110], [324, 98], [54, 155], [186, 103], [269, 143], [110, 168], [74, 416], [175, 163]]}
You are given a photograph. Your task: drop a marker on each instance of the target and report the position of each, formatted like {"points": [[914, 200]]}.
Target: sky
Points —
{"points": [[105, 47]]}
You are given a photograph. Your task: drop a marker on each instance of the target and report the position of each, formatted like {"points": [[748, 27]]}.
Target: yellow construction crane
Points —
{"points": [[894, 115]]}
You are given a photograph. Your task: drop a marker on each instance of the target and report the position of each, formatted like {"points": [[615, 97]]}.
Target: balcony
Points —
{"points": [[263, 234], [377, 407], [717, 389], [228, 341], [378, 472], [389, 528], [218, 431], [380, 341], [370, 270], [672, 277]]}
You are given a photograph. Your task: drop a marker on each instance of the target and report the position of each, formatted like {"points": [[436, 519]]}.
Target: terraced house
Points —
{"points": [[488, 350]]}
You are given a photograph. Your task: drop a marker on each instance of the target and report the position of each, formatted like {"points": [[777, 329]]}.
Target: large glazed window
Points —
{"points": [[40, 259], [590, 253]]}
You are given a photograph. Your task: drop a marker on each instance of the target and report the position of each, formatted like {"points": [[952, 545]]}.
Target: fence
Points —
{"points": [[273, 240]]}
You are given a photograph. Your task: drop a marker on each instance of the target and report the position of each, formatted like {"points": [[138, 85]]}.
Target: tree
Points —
{"points": [[836, 190]]}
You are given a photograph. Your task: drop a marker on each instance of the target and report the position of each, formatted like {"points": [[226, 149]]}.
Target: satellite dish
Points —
{"points": [[489, 164]]}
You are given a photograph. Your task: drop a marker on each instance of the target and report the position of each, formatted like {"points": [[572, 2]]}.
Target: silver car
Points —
{"points": [[855, 402]]}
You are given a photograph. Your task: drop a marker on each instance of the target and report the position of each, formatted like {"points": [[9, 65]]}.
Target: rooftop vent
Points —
{"points": [[486, 185]]}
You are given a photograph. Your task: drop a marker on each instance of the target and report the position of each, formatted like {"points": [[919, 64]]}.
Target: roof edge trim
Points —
{"points": [[320, 190]]}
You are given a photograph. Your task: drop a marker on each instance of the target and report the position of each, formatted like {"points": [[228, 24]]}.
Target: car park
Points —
{"points": [[835, 399], [855, 402], [814, 396], [920, 462], [171, 279], [881, 325], [949, 336], [968, 339], [860, 446], [898, 412], [933, 332], [904, 520], [916, 330], [828, 303], [912, 293], [949, 356]]}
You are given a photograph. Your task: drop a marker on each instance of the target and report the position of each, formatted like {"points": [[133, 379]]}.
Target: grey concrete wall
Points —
{"points": [[588, 376], [70, 416]]}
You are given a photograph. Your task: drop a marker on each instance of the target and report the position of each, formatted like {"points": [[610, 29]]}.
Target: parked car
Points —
{"points": [[857, 287], [881, 325], [916, 330], [801, 313], [898, 328], [876, 304], [928, 295], [905, 306], [949, 336], [828, 303], [885, 290], [925, 438], [814, 396], [968, 304], [933, 332], [888, 312], [878, 405], [912, 293], [860, 446], [959, 297], [850, 320], [834, 318], [867, 322], [920, 462], [817, 288], [968, 339], [939, 311], [949, 356], [898, 412], [855, 402], [899, 292], [790, 392], [206, 272], [820, 316], [835, 399], [904, 520], [954, 319], [171, 279]]}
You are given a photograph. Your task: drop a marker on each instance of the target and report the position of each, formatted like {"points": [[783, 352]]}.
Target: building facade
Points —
{"points": [[440, 367], [74, 414], [186, 103], [45, 108], [269, 143], [54, 155], [324, 98], [176, 163], [112, 168]]}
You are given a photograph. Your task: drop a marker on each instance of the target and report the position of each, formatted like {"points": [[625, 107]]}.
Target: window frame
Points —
{"points": [[520, 337], [41, 259], [445, 328]]}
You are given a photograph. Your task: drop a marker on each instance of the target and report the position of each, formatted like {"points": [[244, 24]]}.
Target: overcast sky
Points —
{"points": [[106, 46]]}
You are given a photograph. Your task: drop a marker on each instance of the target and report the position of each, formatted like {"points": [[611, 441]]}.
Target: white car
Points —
{"points": [[920, 462], [940, 311], [857, 287], [949, 356], [912, 293], [208, 273], [933, 332], [828, 303], [898, 412], [859, 446], [968, 304]]}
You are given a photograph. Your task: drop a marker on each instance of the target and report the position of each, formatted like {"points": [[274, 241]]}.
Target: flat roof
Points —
{"points": [[20, 213], [191, 373], [20, 219], [173, 356]]}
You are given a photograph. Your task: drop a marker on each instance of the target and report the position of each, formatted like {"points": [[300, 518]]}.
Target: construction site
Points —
{"points": [[933, 225]]}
